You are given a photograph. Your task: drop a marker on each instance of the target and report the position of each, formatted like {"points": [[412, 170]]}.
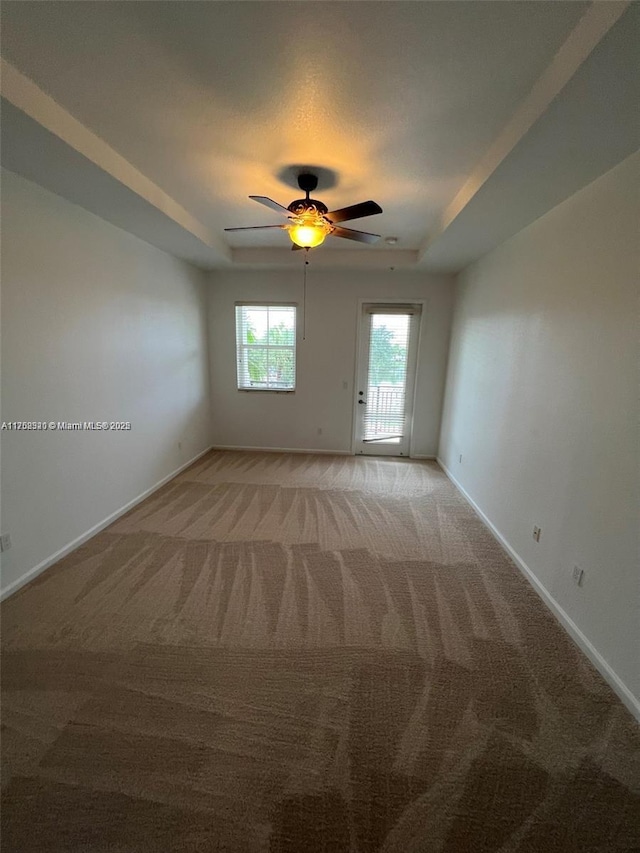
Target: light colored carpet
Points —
{"points": [[305, 654]]}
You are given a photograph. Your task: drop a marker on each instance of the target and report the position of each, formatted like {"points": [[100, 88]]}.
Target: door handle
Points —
{"points": [[362, 402]]}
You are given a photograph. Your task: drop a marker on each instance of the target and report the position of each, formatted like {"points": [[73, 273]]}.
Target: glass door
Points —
{"points": [[385, 378]]}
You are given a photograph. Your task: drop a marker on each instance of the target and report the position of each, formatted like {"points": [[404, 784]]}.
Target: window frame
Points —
{"points": [[242, 349]]}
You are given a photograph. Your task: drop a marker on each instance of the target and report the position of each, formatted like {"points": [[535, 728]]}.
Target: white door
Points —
{"points": [[387, 358]]}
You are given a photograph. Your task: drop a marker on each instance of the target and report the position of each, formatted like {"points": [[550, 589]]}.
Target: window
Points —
{"points": [[266, 347]]}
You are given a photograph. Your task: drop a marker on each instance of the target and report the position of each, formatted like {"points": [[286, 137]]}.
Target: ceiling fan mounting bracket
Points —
{"points": [[307, 182]]}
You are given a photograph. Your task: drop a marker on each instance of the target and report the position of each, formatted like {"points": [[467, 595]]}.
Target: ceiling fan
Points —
{"points": [[310, 221]]}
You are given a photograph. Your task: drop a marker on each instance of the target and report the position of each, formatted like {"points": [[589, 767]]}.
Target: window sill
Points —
{"points": [[266, 390]]}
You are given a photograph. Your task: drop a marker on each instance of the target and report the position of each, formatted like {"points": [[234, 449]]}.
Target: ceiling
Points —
{"points": [[464, 120]]}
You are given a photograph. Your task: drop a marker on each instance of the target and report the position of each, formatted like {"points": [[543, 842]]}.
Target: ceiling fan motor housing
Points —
{"points": [[307, 205]]}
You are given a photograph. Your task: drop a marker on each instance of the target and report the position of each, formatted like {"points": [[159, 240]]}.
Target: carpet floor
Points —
{"points": [[304, 654]]}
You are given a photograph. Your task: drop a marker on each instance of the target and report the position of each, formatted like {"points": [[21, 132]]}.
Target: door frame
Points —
{"points": [[386, 300]]}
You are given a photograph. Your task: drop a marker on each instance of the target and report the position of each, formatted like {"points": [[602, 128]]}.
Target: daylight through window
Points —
{"points": [[266, 347]]}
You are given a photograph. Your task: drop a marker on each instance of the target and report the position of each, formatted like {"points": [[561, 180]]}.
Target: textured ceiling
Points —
{"points": [[212, 101]]}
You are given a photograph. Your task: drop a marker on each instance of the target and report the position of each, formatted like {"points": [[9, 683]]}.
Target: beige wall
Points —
{"points": [[326, 359], [96, 325], [542, 403]]}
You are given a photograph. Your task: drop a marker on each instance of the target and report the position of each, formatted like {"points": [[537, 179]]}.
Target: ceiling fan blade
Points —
{"points": [[269, 202], [355, 211], [358, 236], [255, 227]]}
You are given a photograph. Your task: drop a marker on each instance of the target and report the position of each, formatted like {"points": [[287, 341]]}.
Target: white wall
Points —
{"points": [[326, 359], [96, 325], [542, 403]]}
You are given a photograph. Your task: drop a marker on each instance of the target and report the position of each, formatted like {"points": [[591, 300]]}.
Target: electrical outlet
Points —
{"points": [[179, 445], [5, 542], [460, 458], [536, 533], [319, 430], [577, 575], [345, 384]]}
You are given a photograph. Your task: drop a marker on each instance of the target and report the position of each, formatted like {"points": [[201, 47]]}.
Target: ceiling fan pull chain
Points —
{"points": [[304, 297]]}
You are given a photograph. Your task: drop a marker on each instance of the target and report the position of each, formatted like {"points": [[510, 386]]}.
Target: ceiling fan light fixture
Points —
{"points": [[308, 231]]}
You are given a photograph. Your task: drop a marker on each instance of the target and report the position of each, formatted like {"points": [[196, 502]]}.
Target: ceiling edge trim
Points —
{"points": [[333, 258], [26, 96], [585, 36]]}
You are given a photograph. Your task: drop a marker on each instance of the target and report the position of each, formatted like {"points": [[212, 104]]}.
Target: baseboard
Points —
{"points": [[71, 546], [302, 450], [281, 449], [605, 670]]}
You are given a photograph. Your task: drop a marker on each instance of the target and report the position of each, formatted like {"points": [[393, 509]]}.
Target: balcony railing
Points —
{"points": [[384, 417]]}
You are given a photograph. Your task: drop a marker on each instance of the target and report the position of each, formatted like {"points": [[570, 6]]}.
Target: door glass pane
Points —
{"points": [[387, 378]]}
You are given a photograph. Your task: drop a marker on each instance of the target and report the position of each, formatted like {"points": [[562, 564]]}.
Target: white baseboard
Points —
{"points": [[71, 546], [302, 450], [605, 670], [281, 449]]}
